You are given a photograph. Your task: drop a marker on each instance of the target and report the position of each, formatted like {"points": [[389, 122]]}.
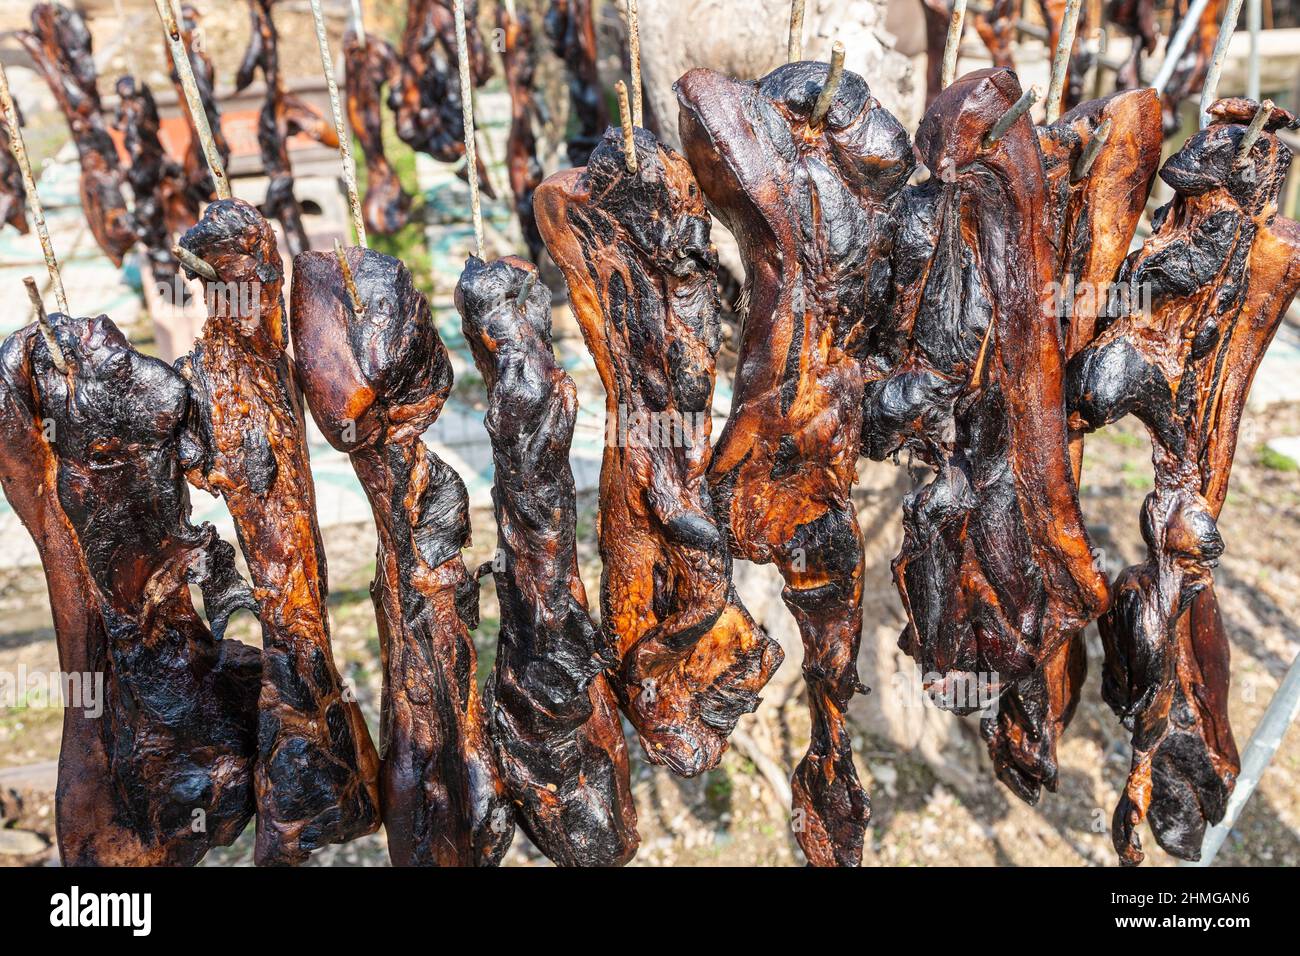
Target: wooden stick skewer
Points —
{"points": [[794, 49], [629, 135], [634, 45], [1018, 109], [1252, 132], [953, 43], [345, 140], [349, 282], [196, 265], [526, 289], [833, 78], [198, 115], [467, 113], [1083, 165], [19, 148], [43, 323], [1061, 61]]}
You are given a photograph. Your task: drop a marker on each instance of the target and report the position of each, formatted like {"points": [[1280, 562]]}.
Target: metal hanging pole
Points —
{"points": [[1177, 45], [345, 140], [1264, 742]]}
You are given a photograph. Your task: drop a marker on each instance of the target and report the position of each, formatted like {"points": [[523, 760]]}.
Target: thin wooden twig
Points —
{"points": [[625, 118], [345, 139], [950, 48], [198, 115], [827, 95], [1083, 165], [196, 265], [1252, 131], [794, 49], [349, 282], [1210, 89], [19, 148], [43, 323], [526, 289], [1061, 61], [1018, 109], [634, 46], [467, 112]]}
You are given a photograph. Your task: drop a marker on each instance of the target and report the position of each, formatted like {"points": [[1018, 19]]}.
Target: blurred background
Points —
{"points": [[936, 801]]}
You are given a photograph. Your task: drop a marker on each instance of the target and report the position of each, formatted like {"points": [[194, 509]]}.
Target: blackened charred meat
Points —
{"points": [[427, 102], [375, 382], [1136, 19], [570, 27], [200, 187], [13, 194], [555, 720], [442, 21], [634, 249], [283, 115], [520, 59], [316, 767], [1194, 310], [163, 733], [1095, 216], [811, 207], [996, 27], [370, 66], [59, 44], [996, 572], [162, 202], [1191, 68]]}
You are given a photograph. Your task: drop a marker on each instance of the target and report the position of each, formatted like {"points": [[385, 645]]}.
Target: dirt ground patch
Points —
{"points": [[731, 815]]}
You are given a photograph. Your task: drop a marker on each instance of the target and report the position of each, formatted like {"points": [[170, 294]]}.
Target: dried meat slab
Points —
{"points": [[571, 27], [316, 775], [200, 187], [13, 194], [996, 571], [634, 249], [158, 185], [812, 208], [375, 382], [283, 116], [426, 103], [371, 65], [1195, 309], [158, 747], [519, 58], [555, 720], [1096, 213], [59, 45]]}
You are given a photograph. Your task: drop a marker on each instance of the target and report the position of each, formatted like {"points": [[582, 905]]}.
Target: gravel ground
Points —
{"points": [[731, 816]]}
